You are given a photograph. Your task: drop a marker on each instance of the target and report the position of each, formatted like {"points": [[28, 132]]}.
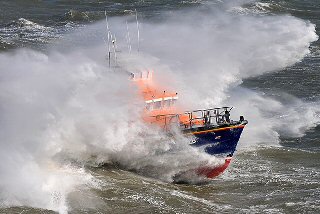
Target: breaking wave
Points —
{"points": [[24, 33], [61, 112], [212, 57], [256, 8], [24, 23]]}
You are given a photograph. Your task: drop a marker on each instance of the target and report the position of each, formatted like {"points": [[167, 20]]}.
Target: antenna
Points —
{"points": [[109, 36], [138, 30], [114, 45], [128, 38]]}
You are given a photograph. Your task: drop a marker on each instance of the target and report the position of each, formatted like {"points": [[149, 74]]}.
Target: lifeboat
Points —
{"points": [[211, 129]]}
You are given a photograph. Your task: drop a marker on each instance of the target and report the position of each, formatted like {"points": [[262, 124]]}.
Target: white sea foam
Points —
{"points": [[60, 112], [212, 57]]}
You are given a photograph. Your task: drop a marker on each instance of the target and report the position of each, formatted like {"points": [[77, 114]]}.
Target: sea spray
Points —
{"points": [[34, 90], [210, 55], [62, 112]]}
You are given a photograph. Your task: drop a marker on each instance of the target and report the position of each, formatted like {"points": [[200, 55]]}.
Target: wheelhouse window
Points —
{"points": [[173, 101], [167, 103], [157, 105], [149, 106]]}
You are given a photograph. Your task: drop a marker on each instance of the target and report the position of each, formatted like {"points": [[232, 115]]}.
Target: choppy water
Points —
{"points": [[276, 168]]}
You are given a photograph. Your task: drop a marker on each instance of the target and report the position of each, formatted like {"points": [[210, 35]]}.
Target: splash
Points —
{"points": [[62, 112], [211, 54], [33, 92]]}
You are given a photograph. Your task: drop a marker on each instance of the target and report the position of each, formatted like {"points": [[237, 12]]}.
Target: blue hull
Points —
{"points": [[219, 141]]}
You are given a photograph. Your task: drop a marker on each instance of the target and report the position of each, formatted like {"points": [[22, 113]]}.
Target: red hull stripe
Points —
{"points": [[214, 172], [217, 130]]}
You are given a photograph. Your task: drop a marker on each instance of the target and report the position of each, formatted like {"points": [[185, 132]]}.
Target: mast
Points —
{"points": [[138, 30], [114, 45], [111, 43], [109, 38], [128, 38]]}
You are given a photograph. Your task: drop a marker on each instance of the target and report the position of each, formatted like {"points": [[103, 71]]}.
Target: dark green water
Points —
{"points": [[282, 178]]}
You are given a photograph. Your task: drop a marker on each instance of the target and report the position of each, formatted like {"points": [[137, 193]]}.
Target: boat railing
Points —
{"points": [[196, 118]]}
